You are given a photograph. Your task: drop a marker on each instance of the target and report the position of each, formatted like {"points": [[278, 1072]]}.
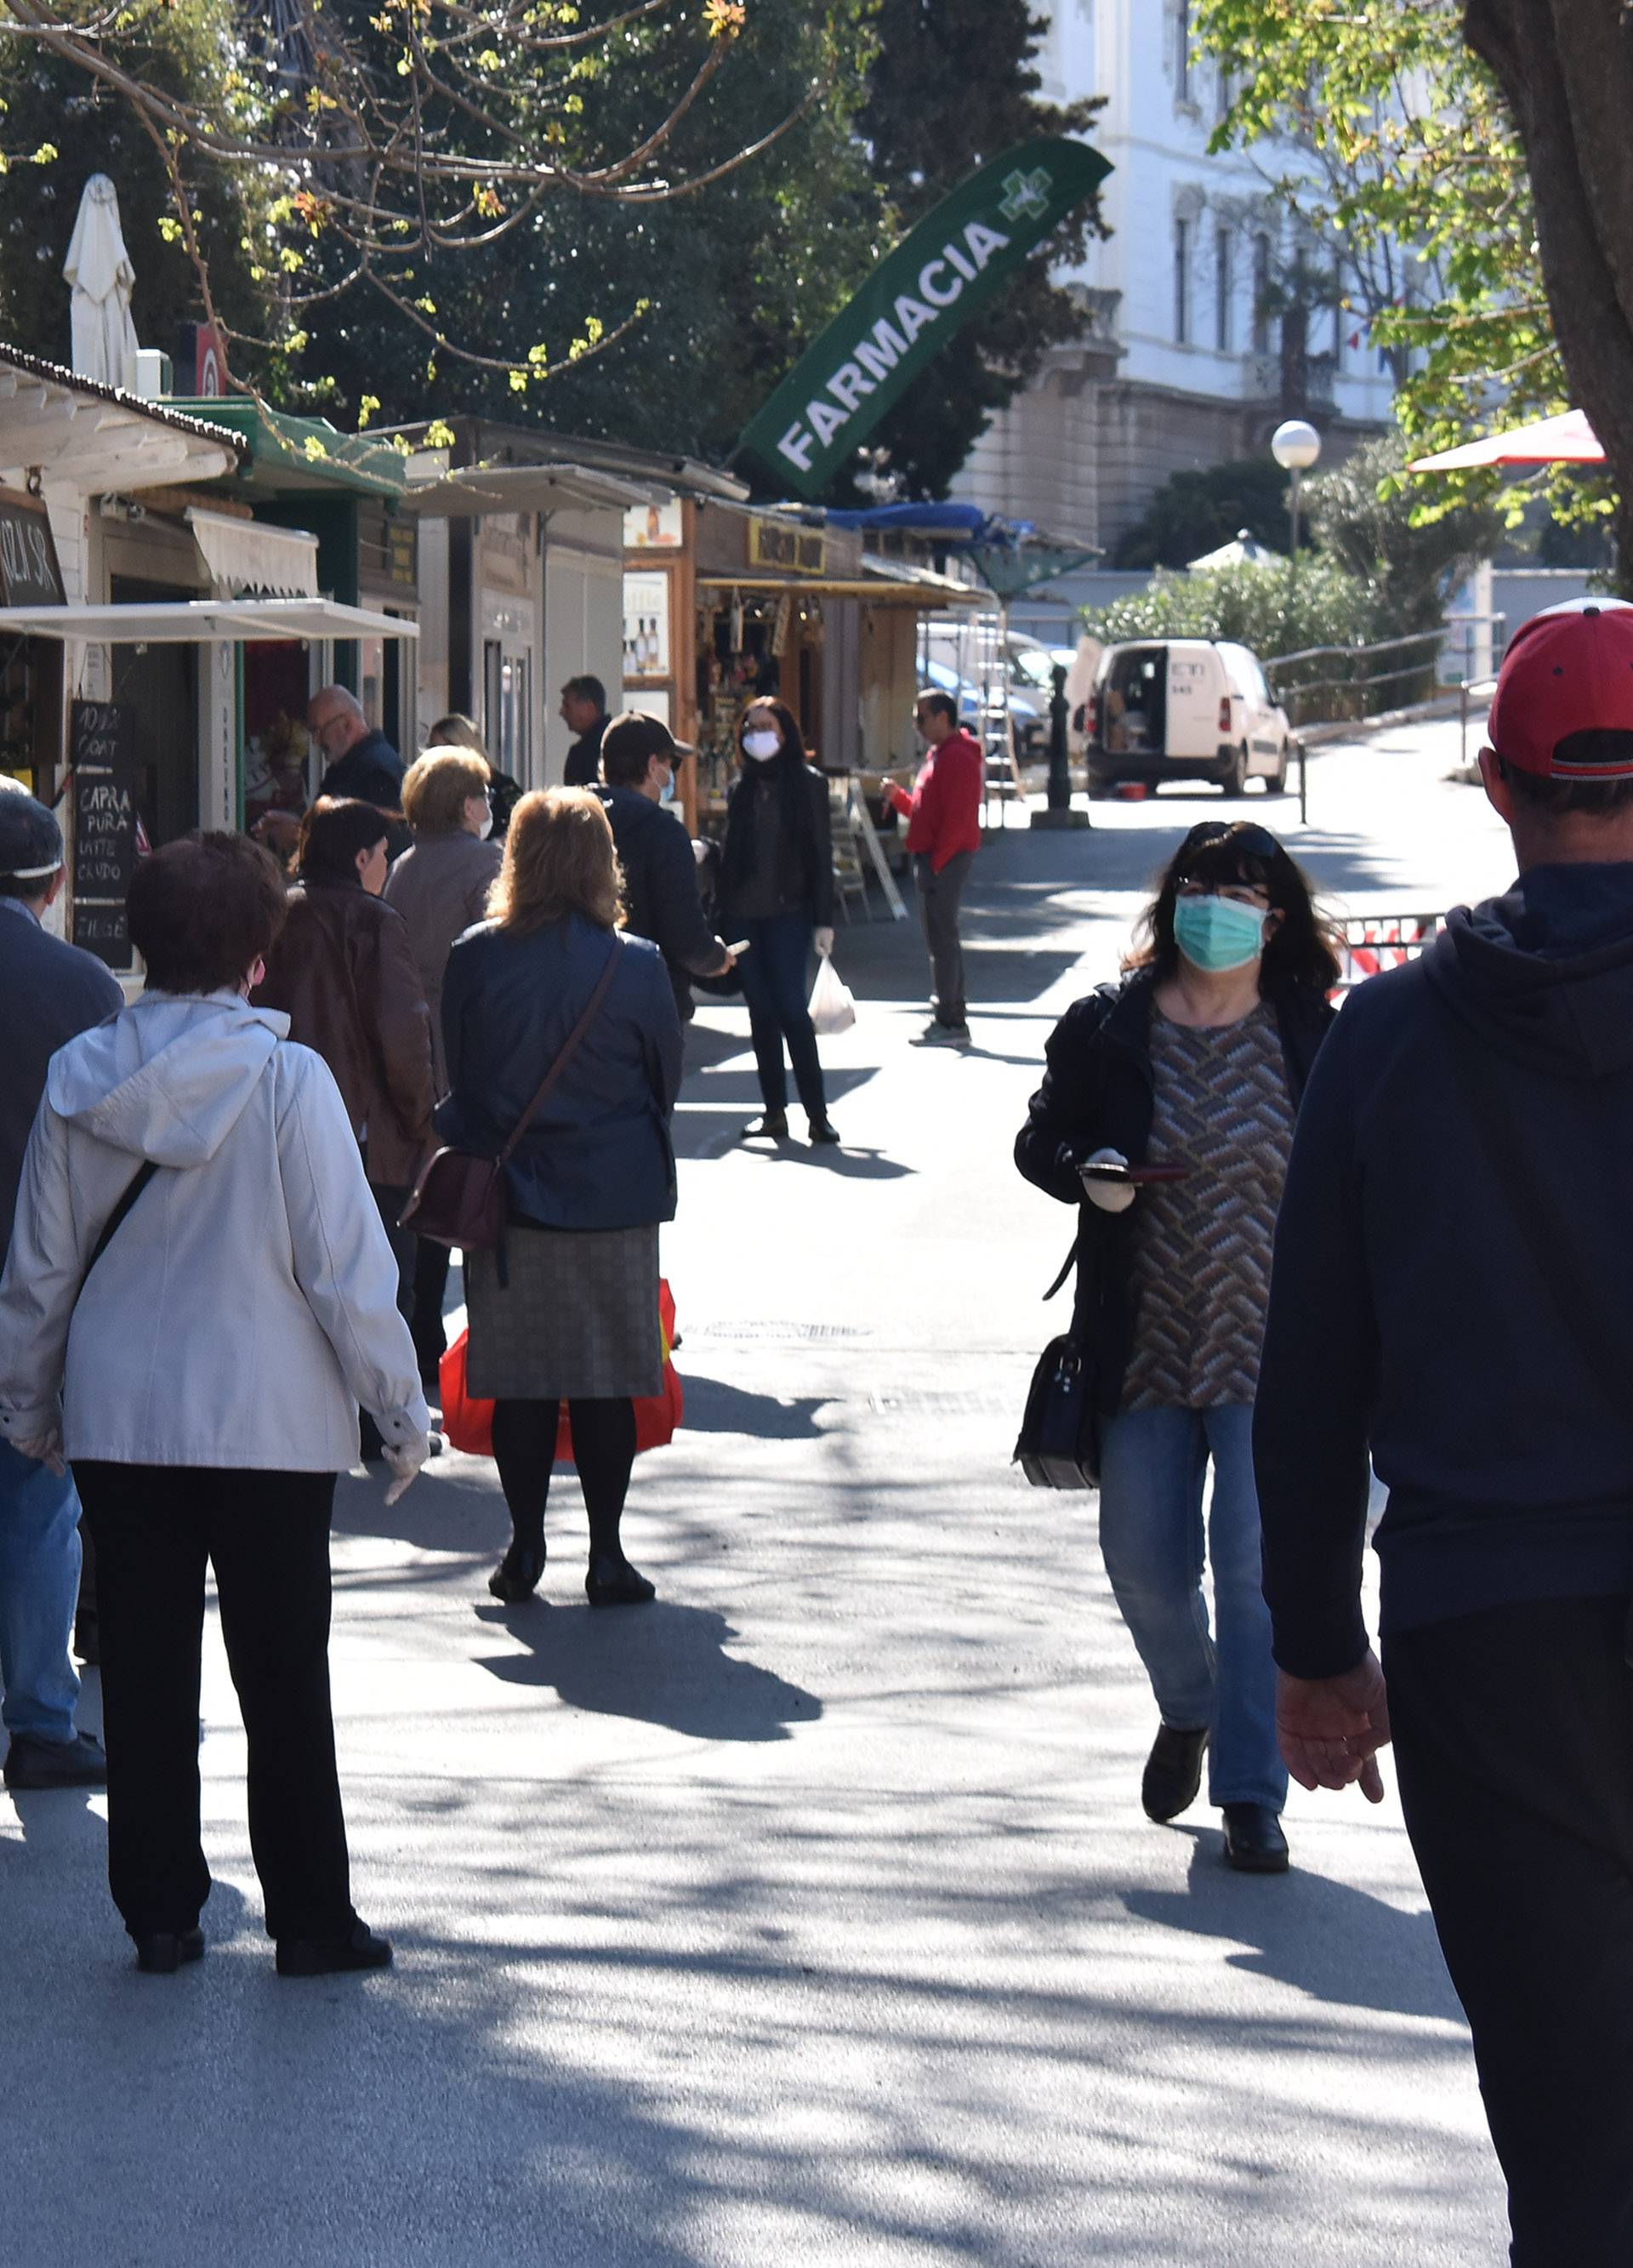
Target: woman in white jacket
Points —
{"points": [[198, 1296]]}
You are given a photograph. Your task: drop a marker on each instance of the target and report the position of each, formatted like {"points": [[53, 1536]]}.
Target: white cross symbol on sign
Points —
{"points": [[1025, 193]]}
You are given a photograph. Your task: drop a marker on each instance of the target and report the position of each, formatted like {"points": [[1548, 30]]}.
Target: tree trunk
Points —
{"points": [[1566, 69]]}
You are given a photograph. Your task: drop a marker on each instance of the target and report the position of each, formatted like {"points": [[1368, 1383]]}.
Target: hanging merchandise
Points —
{"points": [[781, 623]]}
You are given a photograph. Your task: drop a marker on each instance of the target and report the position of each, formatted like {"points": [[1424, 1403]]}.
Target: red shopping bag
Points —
{"points": [[467, 1420]]}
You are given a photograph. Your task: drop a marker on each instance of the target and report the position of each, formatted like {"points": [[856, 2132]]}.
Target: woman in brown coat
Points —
{"points": [[343, 972], [440, 886]]}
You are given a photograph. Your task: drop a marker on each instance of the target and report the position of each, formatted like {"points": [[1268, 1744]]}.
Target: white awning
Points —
{"points": [[476, 489], [95, 439], [185, 621], [247, 555]]}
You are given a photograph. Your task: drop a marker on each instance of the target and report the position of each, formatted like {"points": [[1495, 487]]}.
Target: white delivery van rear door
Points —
{"points": [[1194, 677]]}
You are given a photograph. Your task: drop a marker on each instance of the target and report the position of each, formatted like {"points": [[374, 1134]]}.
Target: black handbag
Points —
{"points": [[1059, 1443]]}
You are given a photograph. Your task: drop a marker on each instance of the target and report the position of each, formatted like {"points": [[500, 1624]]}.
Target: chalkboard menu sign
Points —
{"points": [[29, 573], [102, 751]]}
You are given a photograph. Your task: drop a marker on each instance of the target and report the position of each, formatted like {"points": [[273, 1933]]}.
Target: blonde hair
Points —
{"points": [[457, 731], [559, 860], [435, 787]]}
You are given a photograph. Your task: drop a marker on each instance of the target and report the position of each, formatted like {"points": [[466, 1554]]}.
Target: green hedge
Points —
{"points": [[1275, 608]]}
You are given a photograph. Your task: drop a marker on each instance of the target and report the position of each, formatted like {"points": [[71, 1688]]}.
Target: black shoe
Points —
{"points": [[823, 1130], [517, 1575], [1172, 1771], [1254, 1840], [333, 1956], [163, 1951], [615, 1583], [771, 1126], [78, 1763]]}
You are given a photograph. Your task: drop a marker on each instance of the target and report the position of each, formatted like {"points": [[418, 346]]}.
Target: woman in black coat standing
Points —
{"points": [[777, 891], [571, 1315]]}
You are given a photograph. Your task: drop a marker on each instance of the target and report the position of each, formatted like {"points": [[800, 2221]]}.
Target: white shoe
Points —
{"points": [[943, 1036]]}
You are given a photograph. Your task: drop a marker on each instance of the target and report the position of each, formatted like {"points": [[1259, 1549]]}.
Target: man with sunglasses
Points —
{"points": [[1450, 1291]]}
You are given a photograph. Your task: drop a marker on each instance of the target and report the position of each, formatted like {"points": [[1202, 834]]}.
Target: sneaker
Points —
{"points": [[943, 1036], [78, 1763]]}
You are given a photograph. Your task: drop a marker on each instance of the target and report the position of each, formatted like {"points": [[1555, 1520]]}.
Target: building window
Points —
{"points": [[1224, 92], [1225, 291], [1182, 282], [1182, 52], [1261, 294]]}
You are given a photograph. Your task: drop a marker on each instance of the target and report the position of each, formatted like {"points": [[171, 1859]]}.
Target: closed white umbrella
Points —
{"points": [[100, 277]]}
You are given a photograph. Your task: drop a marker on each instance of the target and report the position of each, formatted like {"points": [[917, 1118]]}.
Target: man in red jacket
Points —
{"points": [[944, 833]]}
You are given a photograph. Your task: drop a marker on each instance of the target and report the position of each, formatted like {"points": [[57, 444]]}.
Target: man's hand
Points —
{"points": [[1330, 1729], [728, 959], [45, 1449], [825, 942]]}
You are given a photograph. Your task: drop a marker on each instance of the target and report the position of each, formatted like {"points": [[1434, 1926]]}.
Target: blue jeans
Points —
{"points": [[774, 973], [1152, 1466], [39, 1591]]}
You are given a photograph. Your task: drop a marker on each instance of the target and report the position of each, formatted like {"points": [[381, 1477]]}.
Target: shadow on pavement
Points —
{"points": [[1335, 1943], [714, 1407], [664, 1664]]}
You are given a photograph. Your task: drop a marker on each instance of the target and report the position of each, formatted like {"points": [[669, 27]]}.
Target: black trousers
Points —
{"points": [[940, 897], [1513, 1740], [267, 1535], [431, 1262]]}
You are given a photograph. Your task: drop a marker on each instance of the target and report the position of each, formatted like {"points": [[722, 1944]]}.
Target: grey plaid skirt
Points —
{"points": [[578, 1318]]}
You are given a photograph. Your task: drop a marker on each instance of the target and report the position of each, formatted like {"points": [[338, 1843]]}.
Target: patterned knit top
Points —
{"points": [[1201, 1247]]}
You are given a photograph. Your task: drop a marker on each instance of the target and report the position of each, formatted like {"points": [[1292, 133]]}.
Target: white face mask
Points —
{"points": [[486, 828], [762, 746]]}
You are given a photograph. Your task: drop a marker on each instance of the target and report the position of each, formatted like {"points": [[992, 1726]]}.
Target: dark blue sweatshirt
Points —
{"points": [[1407, 1313]]}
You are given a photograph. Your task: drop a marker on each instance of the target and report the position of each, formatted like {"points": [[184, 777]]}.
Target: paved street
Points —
{"points": [[810, 1916]]}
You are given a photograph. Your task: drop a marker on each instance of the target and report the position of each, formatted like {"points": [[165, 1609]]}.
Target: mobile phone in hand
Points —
{"points": [[1134, 1176]]}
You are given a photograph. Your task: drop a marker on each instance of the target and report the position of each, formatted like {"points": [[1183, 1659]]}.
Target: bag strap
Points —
{"points": [[1066, 1267], [1598, 1333], [592, 1009], [115, 1220]]}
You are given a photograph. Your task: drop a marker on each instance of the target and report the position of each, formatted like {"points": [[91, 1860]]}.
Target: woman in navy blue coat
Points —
{"points": [[575, 1318]]}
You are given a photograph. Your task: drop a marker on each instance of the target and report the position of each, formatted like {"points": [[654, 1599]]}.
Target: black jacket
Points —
{"points": [[583, 767], [372, 771], [1097, 1094], [1408, 1312], [597, 1155], [805, 843], [660, 887], [49, 993]]}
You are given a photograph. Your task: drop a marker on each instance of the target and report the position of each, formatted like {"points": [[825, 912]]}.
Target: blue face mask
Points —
{"points": [[1218, 934], [668, 794]]}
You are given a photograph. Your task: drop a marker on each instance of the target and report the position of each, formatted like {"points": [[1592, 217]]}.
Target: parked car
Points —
{"points": [[1185, 709]]}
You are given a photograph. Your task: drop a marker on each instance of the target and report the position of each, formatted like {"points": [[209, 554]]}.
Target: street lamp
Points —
{"points": [[1295, 446]]}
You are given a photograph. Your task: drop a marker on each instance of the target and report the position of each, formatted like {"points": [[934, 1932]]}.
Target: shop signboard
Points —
{"points": [[942, 273], [29, 572], [784, 544], [102, 752]]}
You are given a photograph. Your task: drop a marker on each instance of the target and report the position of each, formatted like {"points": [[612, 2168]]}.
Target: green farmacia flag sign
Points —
{"points": [[940, 275]]}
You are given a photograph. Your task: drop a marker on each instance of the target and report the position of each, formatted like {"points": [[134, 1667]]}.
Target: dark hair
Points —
{"points": [[790, 757], [203, 910], [1593, 799], [585, 688], [332, 832], [943, 703], [1300, 953]]}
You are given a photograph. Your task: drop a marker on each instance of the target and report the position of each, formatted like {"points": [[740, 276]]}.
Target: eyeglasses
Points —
{"points": [[1242, 834]]}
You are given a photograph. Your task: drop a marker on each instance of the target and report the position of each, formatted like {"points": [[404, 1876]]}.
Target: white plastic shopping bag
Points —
{"points": [[832, 1008]]}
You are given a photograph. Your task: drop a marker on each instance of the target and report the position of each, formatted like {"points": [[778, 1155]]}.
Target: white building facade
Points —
{"points": [[1181, 362]]}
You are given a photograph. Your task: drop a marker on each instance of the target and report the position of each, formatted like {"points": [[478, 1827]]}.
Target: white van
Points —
{"points": [[1185, 709]]}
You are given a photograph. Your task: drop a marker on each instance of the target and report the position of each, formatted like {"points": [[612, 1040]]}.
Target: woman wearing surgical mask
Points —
{"points": [[777, 890], [1196, 1060]]}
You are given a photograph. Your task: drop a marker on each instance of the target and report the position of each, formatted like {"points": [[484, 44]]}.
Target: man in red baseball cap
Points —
{"points": [[1451, 1295]]}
